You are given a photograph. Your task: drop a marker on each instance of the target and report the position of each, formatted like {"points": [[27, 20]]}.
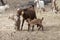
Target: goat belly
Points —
{"points": [[29, 14]]}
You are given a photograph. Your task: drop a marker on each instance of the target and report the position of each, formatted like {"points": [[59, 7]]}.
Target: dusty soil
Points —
{"points": [[51, 25], [51, 31]]}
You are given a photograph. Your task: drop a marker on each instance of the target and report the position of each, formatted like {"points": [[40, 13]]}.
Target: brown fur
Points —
{"points": [[36, 22], [27, 13]]}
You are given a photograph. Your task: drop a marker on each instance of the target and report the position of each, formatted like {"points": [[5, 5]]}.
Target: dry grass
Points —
{"points": [[51, 24]]}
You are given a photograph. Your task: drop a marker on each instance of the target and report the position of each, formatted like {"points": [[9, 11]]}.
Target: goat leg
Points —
{"points": [[39, 27], [28, 27], [22, 24], [33, 28], [42, 27], [17, 24]]}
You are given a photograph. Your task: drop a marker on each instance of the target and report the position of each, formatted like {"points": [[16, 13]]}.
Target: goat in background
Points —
{"points": [[39, 5], [4, 7]]}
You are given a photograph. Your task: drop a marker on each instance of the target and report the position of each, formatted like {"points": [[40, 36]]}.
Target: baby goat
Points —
{"points": [[35, 22], [3, 8]]}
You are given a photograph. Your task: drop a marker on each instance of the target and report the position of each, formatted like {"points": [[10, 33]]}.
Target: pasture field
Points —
{"points": [[51, 31], [51, 25]]}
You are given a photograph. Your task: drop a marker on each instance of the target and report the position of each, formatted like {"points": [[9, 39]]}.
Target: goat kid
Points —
{"points": [[37, 22]]}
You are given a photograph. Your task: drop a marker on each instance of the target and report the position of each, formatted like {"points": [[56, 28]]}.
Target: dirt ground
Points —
{"points": [[51, 25]]}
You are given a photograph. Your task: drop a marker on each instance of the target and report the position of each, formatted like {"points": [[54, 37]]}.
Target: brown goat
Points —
{"points": [[35, 22], [27, 13]]}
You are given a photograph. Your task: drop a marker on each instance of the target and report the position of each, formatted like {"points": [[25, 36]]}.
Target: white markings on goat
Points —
{"points": [[22, 12]]}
